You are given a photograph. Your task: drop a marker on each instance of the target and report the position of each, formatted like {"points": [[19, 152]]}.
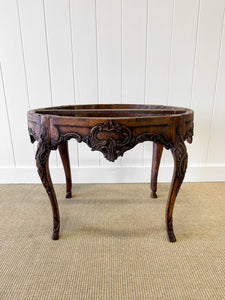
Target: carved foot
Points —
{"points": [[69, 194], [56, 227], [171, 236], [153, 195], [170, 232], [55, 235]]}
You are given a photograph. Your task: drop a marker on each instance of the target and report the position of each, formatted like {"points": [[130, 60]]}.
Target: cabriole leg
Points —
{"points": [[42, 157], [180, 164], [156, 158], [64, 153]]}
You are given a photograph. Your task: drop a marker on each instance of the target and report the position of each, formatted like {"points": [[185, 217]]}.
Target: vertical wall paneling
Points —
{"points": [[109, 50], [36, 56], [58, 27], [182, 55], [14, 77], [183, 50], [133, 50], [205, 74], [83, 29], [6, 149], [84, 50], [60, 52], [160, 16], [108, 15], [134, 20], [216, 138], [35, 52]]}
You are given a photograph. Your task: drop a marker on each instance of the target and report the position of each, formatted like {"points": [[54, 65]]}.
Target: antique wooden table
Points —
{"points": [[112, 129]]}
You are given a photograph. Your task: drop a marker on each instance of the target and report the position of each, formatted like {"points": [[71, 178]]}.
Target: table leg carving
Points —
{"points": [[64, 153], [180, 164], [42, 157], [156, 158]]}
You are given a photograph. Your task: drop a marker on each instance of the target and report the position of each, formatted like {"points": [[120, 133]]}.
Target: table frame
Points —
{"points": [[112, 136]]}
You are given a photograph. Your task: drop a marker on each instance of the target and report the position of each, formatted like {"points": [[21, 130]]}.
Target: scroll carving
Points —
{"points": [[181, 160], [157, 138], [41, 157], [110, 139], [32, 135], [52, 127], [113, 139], [189, 131], [68, 136], [33, 129]]}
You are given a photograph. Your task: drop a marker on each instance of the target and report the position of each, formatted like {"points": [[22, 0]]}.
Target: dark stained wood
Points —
{"points": [[180, 165], [112, 129], [64, 153], [42, 158], [106, 112], [156, 158]]}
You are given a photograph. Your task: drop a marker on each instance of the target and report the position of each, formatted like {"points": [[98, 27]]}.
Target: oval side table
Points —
{"points": [[112, 129]]}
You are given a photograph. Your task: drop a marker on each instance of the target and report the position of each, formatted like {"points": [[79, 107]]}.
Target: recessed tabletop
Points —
{"points": [[112, 129], [112, 111]]}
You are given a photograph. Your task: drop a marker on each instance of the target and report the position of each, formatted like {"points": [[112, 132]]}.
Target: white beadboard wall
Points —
{"points": [[55, 52]]}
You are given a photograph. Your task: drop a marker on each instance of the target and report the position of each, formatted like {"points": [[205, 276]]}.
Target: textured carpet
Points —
{"points": [[113, 243]]}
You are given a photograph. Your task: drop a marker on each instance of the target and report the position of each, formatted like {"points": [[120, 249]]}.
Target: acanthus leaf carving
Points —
{"points": [[181, 160], [32, 135], [109, 138], [113, 139], [156, 138], [68, 136]]}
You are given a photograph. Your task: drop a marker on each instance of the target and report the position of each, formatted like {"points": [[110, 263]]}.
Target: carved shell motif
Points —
{"points": [[111, 139]]}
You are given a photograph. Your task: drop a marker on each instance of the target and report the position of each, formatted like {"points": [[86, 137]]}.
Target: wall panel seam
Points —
{"points": [[7, 113], [145, 76], [171, 53], [121, 36], [24, 62], [146, 50], [195, 53], [23, 55], [48, 60], [72, 48], [73, 66], [121, 75], [97, 59], [216, 85], [47, 50]]}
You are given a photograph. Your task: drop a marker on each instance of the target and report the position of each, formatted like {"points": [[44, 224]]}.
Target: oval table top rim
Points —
{"points": [[149, 111]]}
